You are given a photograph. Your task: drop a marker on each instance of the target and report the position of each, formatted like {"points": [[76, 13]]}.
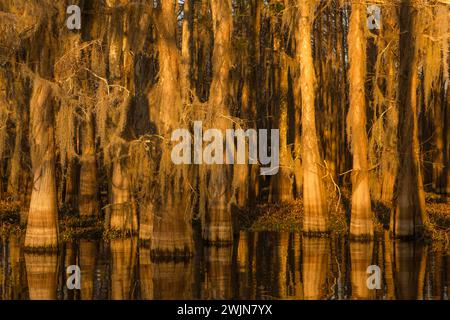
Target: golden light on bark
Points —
{"points": [[361, 221]]}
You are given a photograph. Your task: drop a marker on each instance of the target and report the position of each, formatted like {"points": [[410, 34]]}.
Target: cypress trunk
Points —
{"points": [[361, 224], [410, 211], [42, 225], [389, 157], [315, 209], [172, 229], [217, 225], [123, 214], [282, 186]]}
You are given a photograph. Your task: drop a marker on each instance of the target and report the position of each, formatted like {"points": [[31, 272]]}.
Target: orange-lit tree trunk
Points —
{"points": [[123, 216], [315, 210], [389, 165], [389, 157], [42, 226], [410, 211], [361, 224], [122, 209], [172, 229], [217, 226], [88, 189], [282, 185]]}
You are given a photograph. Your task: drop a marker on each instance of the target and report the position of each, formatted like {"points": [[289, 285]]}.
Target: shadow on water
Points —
{"points": [[261, 265]]}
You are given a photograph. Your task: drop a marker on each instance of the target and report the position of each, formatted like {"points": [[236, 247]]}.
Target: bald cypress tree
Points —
{"points": [[316, 216], [361, 224], [410, 211]]}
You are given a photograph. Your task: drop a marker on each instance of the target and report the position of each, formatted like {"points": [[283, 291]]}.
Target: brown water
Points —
{"points": [[257, 266]]}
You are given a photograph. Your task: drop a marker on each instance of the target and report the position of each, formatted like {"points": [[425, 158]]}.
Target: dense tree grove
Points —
{"points": [[87, 115]]}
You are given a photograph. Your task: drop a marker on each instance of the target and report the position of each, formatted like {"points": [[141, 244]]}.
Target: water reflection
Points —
{"points": [[257, 266], [218, 284], [315, 266], [41, 275], [410, 262], [145, 274], [12, 269], [87, 257], [388, 266], [172, 280], [361, 254], [123, 259], [446, 272]]}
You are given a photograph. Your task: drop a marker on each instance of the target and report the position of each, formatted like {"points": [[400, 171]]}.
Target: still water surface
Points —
{"points": [[258, 266]]}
